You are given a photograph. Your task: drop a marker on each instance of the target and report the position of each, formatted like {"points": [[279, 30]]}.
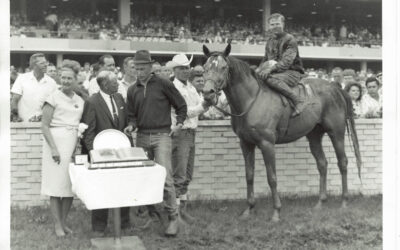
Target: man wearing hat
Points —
{"points": [[149, 104], [183, 143]]}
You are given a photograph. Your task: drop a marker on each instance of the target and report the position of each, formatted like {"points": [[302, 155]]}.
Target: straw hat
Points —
{"points": [[180, 60]]}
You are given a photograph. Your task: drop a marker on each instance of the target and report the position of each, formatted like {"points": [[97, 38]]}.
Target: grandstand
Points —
{"points": [[330, 32]]}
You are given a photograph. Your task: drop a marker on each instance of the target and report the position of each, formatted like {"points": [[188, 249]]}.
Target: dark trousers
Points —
{"points": [[183, 151], [290, 77], [100, 217]]}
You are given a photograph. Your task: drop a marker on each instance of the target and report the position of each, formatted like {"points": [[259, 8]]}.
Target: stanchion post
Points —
{"points": [[117, 225]]}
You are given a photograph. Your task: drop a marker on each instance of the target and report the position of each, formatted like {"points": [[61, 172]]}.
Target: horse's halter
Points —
{"points": [[218, 87], [223, 85]]}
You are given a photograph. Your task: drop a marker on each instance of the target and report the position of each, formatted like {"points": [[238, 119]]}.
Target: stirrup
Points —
{"points": [[296, 112]]}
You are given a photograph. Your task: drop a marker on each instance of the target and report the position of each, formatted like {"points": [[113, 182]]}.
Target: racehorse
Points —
{"points": [[258, 115]]}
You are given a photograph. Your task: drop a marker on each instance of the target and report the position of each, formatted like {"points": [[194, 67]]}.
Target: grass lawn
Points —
{"points": [[357, 227]]}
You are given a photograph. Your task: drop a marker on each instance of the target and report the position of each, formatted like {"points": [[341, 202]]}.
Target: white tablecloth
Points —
{"points": [[118, 187]]}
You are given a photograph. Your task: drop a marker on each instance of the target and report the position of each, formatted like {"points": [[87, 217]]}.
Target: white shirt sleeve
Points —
{"points": [[86, 84], [17, 87], [93, 87], [52, 87], [173, 118], [222, 101], [194, 111]]}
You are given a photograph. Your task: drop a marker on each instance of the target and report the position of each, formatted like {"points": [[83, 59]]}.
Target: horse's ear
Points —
{"points": [[227, 50], [206, 51]]}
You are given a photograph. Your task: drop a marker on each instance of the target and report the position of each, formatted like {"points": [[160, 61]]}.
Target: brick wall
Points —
{"points": [[219, 166]]}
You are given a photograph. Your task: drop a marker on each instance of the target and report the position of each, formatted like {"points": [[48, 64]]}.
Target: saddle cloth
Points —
{"points": [[302, 90], [305, 92]]}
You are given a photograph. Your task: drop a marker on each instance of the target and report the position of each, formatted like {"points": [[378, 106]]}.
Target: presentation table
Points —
{"points": [[118, 187]]}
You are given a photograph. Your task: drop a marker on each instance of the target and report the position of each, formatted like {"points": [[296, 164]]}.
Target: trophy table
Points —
{"points": [[117, 175]]}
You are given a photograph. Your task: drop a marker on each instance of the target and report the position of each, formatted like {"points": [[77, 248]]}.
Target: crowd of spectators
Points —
{"points": [[326, 35], [144, 26], [365, 87]]}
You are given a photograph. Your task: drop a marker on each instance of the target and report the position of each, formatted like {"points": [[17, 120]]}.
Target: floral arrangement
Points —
{"points": [[81, 129]]}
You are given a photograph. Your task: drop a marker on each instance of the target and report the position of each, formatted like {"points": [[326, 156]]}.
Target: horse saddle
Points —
{"points": [[304, 91]]}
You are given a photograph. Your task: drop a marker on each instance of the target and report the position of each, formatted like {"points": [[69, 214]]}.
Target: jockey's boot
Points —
{"points": [[285, 90], [173, 226], [299, 106], [183, 213]]}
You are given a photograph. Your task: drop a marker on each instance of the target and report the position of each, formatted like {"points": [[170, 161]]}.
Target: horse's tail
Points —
{"points": [[351, 131], [356, 146]]}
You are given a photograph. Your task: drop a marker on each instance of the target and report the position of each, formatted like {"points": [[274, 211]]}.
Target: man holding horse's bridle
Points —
{"points": [[281, 67]]}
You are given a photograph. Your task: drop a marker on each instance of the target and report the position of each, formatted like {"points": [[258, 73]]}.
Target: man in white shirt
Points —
{"points": [[30, 90], [94, 71], [197, 80], [106, 62], [183, 143], [129, 77]]}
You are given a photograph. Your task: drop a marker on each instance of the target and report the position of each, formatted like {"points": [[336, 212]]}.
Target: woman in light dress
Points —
{"points": [[62, 112]]}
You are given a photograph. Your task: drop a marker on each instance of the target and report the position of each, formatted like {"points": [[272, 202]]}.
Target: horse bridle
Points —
{"points": [[218, 90]]}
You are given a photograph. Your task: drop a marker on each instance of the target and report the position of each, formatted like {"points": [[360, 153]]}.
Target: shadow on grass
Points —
{"points": [[218, 227]]}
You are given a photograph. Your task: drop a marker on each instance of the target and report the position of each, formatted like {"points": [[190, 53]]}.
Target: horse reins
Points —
{"points": [[244, 112]]}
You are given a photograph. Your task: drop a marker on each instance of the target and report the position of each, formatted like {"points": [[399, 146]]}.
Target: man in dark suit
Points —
{"points": [[104, 110], [337, 76]]}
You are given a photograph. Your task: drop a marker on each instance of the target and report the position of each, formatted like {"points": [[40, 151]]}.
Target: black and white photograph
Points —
{"points": [[199, 124]]}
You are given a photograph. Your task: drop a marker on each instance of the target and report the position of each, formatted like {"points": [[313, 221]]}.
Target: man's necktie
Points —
{"points": [[114, 111]]}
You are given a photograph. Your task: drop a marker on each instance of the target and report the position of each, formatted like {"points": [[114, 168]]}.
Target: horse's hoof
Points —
{"points": [[117, 243], [59, 231], [275, 217], [68, 230], [318, 206], [246, 214]]}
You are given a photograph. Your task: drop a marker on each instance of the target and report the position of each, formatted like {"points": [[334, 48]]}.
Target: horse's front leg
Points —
{"points": [[268, 152], [248, 155]]}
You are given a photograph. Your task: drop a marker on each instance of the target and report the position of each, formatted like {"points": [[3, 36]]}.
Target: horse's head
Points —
{"points": [[216, 71]]}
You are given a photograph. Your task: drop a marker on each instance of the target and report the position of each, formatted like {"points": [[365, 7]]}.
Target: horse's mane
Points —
{"points": [[240, 68]]}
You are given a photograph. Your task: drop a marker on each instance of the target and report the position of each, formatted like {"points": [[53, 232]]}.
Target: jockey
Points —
{"points": [[281, 67]]}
